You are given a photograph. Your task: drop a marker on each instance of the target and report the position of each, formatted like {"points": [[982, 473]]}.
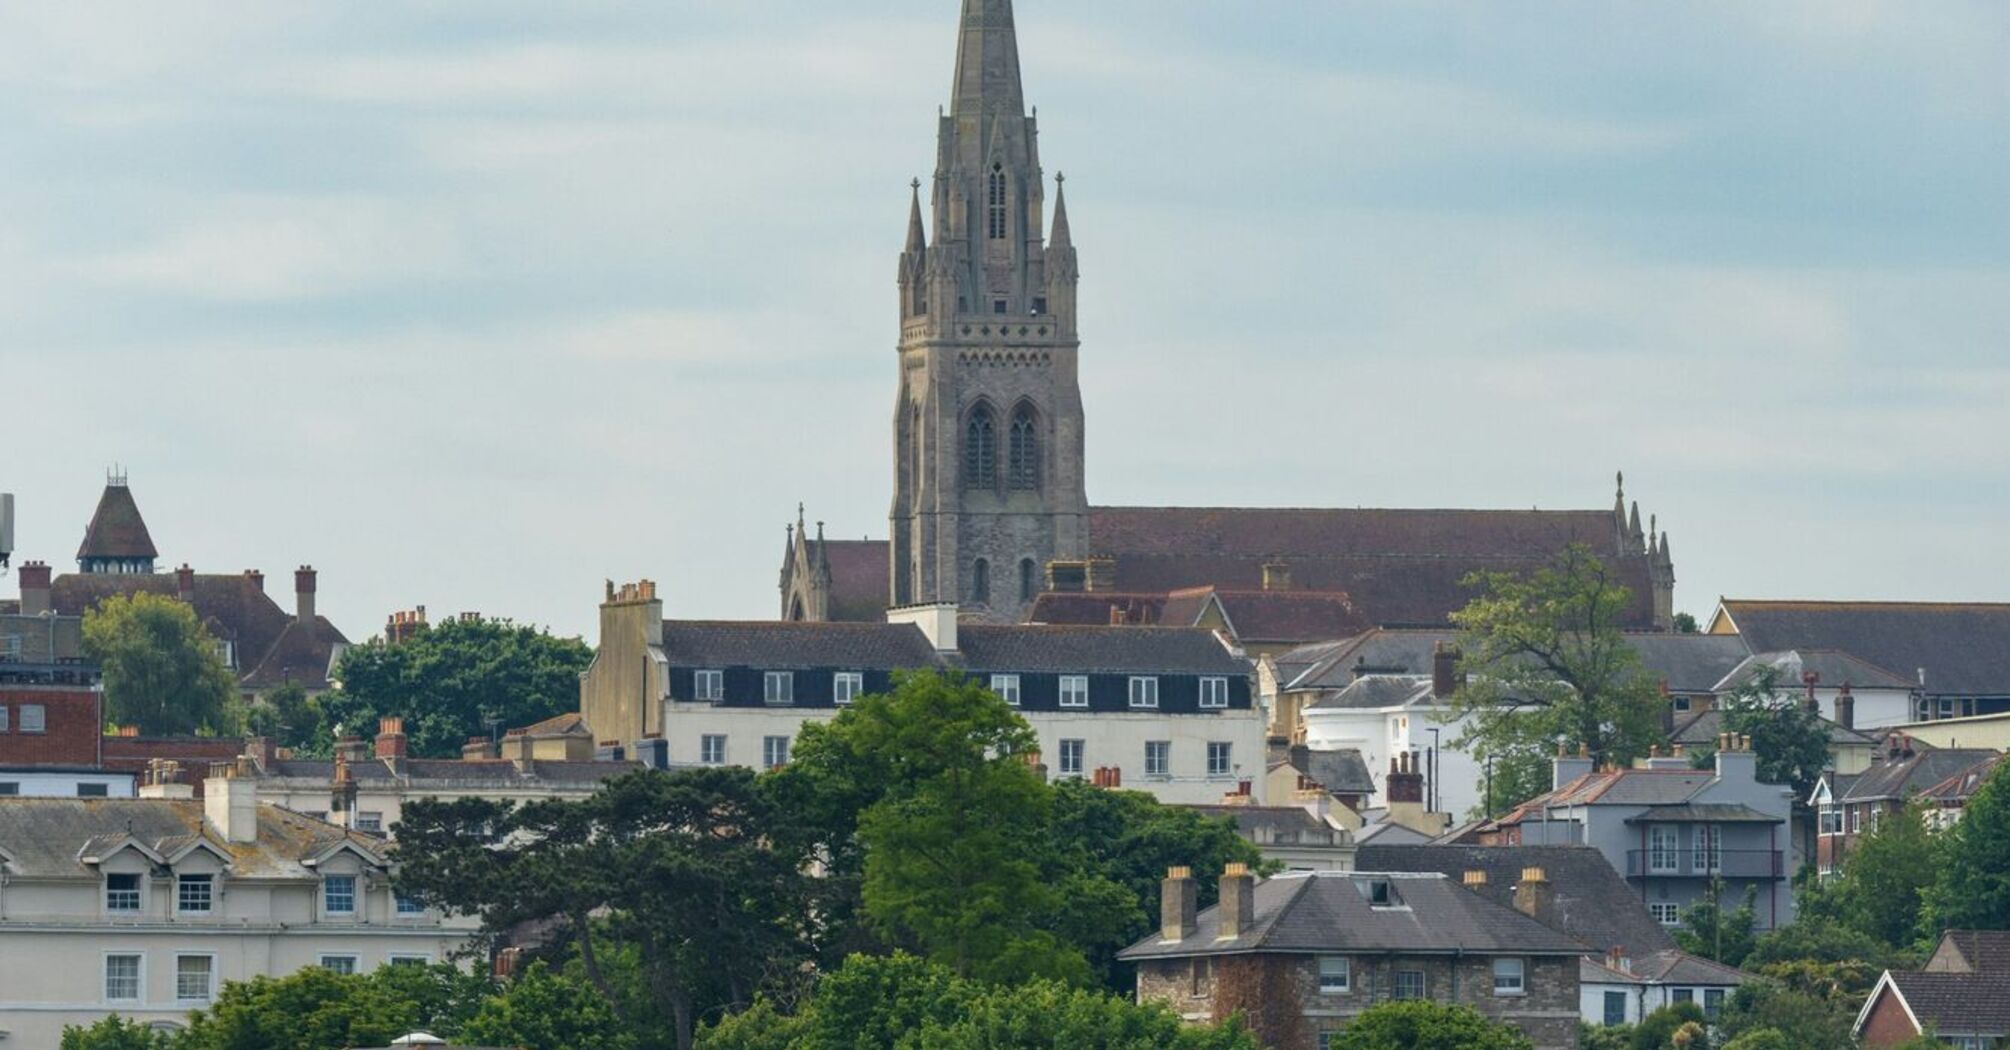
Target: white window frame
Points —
{"points": [[328, 896], [1510, 975], [208, 992], [1213, 693], [1667, 913], [408, 959], [846, 686], [1423, 984], [1831, 820], [1664, 844], [778, 687], [1336, 975], [189, 881], [1855, 820], [1605, 1008], [354, 963], [1081, 749], [708, 684], [139, 892], [405, 907], [1706, 848], [1075, 690], [1220, 758], [371, 820], [1162, 751], [1007, 688], [1144, 691], [705, 753], [768, 749], [34, 718], [139, 977]]}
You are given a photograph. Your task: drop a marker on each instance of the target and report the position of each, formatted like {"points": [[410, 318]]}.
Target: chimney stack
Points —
{"points": [[350, 748], [1569, 767], [1179, 902], [162, 779], [184, 583], [936, 621], [34, 588], [1845, 707], [230, 802], [1445, 679], [1405, 783], [303, 594], [476, 749], [1735, 760], [1534, 896], [391, 738], [1237, 910], [256, 578]]}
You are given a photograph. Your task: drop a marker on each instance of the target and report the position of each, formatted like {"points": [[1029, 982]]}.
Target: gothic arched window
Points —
{"points": [[1029, 586], [980, 581], [1022, 459], [997, 201], [980, 450]]}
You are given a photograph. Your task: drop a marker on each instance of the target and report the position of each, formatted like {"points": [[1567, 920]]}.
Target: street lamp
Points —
{"points": [[1433, 768]]}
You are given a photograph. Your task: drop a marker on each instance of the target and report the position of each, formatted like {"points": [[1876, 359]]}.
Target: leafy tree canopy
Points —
{"points": [[543, 1010], [1886, 879], [1421, 1025], [1658, 1030], [691, 870], [1713, 933], [1547, 665], [162, 669], [115, 1033], [454, 680], [1806, 1022], [1972, 888], [1790, 738], [315, 1009]]}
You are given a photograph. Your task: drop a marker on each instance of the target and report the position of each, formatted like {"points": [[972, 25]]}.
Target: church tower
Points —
{"points": [[988, 484]]}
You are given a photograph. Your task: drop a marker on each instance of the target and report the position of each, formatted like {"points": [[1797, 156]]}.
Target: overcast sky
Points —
{"points": [[476, 304]]}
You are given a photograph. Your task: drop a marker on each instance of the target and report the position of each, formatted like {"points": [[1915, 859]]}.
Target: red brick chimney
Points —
{"points": [[303, 593], [34, 588], [391, 737], [1845, 707], [1405, 783], [1445, 679], [184, 583], [257, 578]]}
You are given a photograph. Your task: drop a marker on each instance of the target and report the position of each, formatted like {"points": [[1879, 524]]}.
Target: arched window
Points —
{"points": [[980, 450], [980, 581], [997, 200], [1029, 583], [1023, 458]]}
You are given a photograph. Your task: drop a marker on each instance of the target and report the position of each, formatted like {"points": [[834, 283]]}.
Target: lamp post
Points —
{"points": [[1433, 768]]}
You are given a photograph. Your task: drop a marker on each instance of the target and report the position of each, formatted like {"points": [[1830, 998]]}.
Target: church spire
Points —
{"points": [[987, 61], [1061, 239], [917, 237]]}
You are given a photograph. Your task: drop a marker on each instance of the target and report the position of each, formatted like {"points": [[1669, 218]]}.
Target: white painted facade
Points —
{"points": [[64, 782], [1380, 733], [1107, 739]]}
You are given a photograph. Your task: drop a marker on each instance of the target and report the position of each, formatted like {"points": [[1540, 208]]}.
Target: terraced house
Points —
{"points": [[1164, 710]]}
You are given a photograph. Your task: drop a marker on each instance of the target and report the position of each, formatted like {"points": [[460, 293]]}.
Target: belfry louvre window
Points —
{"points": [[980, 450], [997, 202], [1022, 457]]}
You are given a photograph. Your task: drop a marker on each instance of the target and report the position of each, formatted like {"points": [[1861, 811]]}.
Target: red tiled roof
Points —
{"points": [[116, 529], [235, 608]]}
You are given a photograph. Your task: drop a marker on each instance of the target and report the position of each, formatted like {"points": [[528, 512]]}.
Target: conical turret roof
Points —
{"points": [[117, 530]]}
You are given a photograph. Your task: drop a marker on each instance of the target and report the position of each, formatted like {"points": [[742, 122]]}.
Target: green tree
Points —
{"points": [[1886, 879], [1711, 932], [1762, 1039], [689, 870], [1972, 889], [162, 669], [1823, 940], [1548, 666], [454, 680], [1420, 1025], [542, 1010], [114, 1033], [1685, 623], [1790, 738], [288, 715], [315, 1009], [1657, 1030], [1807, 1022]]}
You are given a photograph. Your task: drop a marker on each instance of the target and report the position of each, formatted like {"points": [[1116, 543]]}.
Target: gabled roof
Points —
{"points": [[52, 836], [1901, 778], [1700, 729], [1268, 616], [1948, 1004], [1962, 786], [1972, 951], [1341, 771], [1592, 904], [1374, 692], [1688, 663], [1297, 820], [1832, 668], [116, 529], [1630, 787], [860, 579], [1308, 912], [234, 608], [1964, 647]]}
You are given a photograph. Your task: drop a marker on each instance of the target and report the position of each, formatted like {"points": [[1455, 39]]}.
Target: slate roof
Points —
{"points": [[1094, 607], [116, 529], [234, 608], [1964, 647], [1025, 647], [1962, 786], [1984, 951], [1689, 663], [1375, 691], [1678, 967], [48, 836], [1341, 771], [1904, 777], [1593, 904], [1700, 729], [860, 579], [1310, 830], [1311, 912], [1833, 668], [1637, 787], [1954, 1003], [782, 644], [43, 639], [1266, 532], [1704, 813], [540, 772]]}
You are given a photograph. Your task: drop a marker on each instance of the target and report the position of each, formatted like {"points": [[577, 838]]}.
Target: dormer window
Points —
{"points": [[1379, 893], [194, 894], [779, 687], [122, 893], [338, 895]]}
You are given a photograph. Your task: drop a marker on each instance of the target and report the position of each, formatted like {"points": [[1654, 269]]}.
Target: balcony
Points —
{"points": [[1682, 864]]}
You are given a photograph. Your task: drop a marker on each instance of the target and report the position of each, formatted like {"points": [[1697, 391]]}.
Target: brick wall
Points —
{"points": [[1547, 1013], [1887, 1024], [70, 727]]}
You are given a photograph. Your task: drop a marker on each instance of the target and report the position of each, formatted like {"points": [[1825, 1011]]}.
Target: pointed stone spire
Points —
{"points": [[1633, 530], [917, 237], [1061, 238], [987, 61]]}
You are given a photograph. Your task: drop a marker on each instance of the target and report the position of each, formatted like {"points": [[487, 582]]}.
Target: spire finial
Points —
{"points": [[1620, 481]]}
